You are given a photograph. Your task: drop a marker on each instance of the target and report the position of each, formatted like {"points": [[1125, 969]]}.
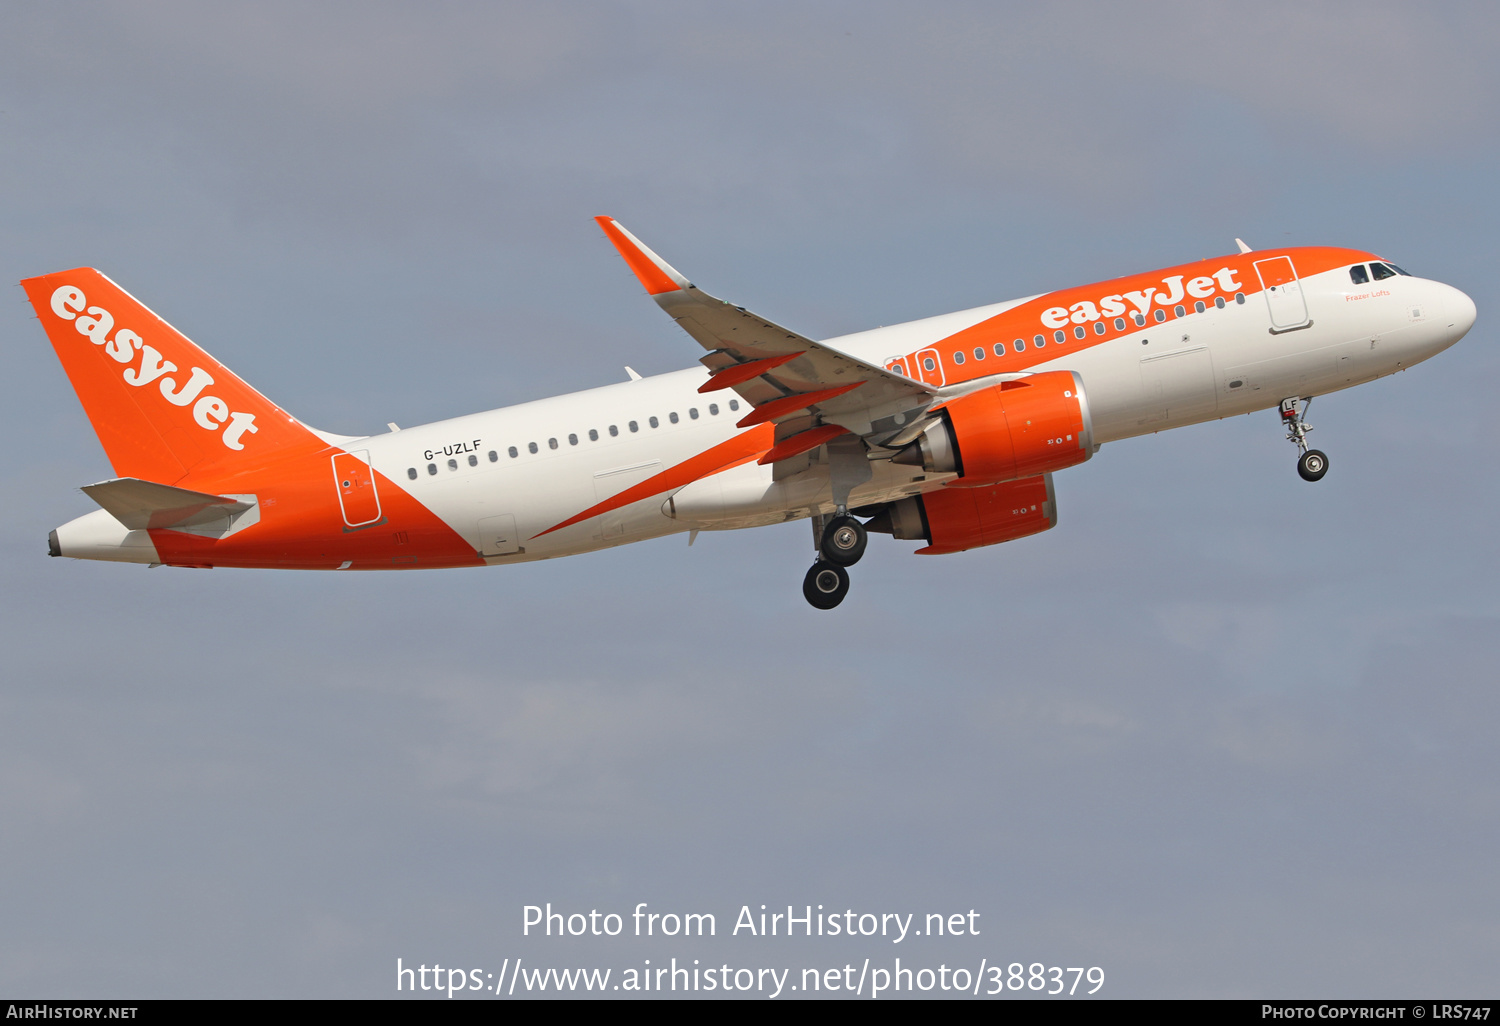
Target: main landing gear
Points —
{"points": [[841, 543], [1312, 464]]}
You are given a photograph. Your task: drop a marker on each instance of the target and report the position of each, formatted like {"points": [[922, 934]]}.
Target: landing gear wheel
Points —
{"points": [[1312, 465], [844, 541], [825, 585]]}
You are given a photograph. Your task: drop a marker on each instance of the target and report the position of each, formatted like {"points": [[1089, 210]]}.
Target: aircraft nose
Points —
{"points": [[1451, 311], [1461, 312]]}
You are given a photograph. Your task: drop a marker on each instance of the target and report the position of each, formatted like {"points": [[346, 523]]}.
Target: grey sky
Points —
{"points": [[1221, 732]]}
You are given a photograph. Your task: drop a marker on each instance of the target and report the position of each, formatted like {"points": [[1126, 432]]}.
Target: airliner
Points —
{"points": [[946, 430]]}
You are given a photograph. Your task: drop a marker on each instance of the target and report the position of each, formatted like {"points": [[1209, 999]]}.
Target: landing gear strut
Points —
{"points": [[1312, 464], [841, 541]]}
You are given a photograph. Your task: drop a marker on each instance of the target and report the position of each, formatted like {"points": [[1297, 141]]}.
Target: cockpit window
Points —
{"points": [[1359, 275], [1398, 270], [1381, 271]]}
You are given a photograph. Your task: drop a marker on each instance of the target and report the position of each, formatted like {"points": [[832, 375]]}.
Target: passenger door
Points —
{"points": [[1284, 299]]}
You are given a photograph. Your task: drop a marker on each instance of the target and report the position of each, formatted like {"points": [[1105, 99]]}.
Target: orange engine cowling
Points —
{"points": [[1033, 425], [953, 519]]}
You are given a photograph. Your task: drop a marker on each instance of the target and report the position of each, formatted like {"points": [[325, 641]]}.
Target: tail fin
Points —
{"points": [[162, 407]]}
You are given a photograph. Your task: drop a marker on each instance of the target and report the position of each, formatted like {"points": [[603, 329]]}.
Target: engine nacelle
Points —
{"points": [[953, 519], [1033, 425]]}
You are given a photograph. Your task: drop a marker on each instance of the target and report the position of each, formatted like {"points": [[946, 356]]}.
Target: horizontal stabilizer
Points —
{"points": [[142, 505]]}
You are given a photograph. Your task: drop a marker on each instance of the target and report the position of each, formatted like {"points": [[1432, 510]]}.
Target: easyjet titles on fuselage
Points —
{"points": [[1201, 287]]}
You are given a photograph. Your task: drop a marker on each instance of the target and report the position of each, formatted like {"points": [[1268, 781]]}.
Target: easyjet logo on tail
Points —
{"points": [[1113, 306], [145, 365]]}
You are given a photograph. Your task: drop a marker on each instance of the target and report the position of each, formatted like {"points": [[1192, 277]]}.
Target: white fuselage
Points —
{"points": [[1214, 364]]}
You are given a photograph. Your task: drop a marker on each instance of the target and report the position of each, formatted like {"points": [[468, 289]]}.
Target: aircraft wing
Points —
{"points": [[789, 379]]}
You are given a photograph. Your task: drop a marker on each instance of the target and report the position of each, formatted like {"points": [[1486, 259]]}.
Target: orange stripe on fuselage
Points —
{"points": [[1025, 322], [302, 527], [742, 448]]}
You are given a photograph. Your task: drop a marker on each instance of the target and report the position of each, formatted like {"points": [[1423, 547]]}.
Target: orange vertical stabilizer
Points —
{"points": [[162, 408]]}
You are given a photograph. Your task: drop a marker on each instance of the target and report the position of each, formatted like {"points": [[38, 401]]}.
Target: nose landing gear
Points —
{"points": [[840, 543], [1312, 464]]}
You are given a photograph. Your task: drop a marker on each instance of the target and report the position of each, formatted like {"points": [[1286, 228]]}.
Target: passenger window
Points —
{"points": [[1098, 327], [453, 464], [593, 435], [1219, 302], [654, 422], [672, 417], [958, 357], [633, 426], [1179, 311], [1358, 275], [1161, 315], [1039, 341], [494, 456], [978, 353], [1119, 324], [613, 431], [1059, 337], [999, 348], [1239, 297], [929, 364], [572, 439], [1019, 345], [552, 443], [734, 404], [411, 472], [692, 413], [1199, 306], [1078, 332], [473, 460], [431, 468], [1381, 272], [713, 409], [512, 451], [531, 448], [1140, 320]]}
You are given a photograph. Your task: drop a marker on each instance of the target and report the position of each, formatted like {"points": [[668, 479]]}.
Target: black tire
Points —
{"points": [[1312, 465], [825, 585], [844, 541]]}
